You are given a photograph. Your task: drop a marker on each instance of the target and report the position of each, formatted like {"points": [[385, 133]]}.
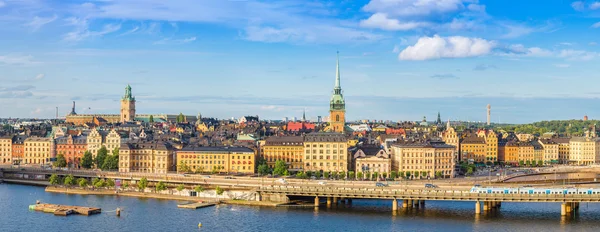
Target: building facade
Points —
{"points": [[428, 157], [551, 151], [372, 160], [326, 151], [584, 150], [450, 137], [6, 150], [127, 106], [151, 157], [217, 159], [473, 149], [18, 149], [290, 149], [37, 150], [72, 148]]}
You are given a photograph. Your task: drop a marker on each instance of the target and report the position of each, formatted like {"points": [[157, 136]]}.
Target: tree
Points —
{"points": [[326, 175], [61, 162], [101, 156], [110, 183], [183, 167], [342, 175], [82, 182], [351, 175], [180, 118], [100, 184], [54, 179], [469, 171], [280, 168], [384, 175], [521, 162], [143, 184], [318, 174], [151, 119], [126, 185], [180, 187], [401, 174], [408, 175], [111, 162], [375, 175], [438, 174], [263, 169], [70, 180], [540, 163], [424, 174], [393, 175], [286, 173], [528, 163], [199, 189], [161, 186], [95, 181], [219, 190], [87, 161]]}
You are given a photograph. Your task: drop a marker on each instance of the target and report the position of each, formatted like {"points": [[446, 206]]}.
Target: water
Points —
{"points": [[363, 215]]}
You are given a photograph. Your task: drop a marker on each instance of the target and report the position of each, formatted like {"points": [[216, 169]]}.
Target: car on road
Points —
{"points": [[282, 181], [206, 176], [379, 184], [322, 183], [229, 177], [430, 186]]}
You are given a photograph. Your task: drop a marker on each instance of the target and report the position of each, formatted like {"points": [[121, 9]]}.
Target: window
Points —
{"points": [[337, 118]]}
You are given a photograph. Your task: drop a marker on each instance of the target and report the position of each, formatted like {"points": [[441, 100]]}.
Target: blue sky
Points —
{"points": [[400, 59]]}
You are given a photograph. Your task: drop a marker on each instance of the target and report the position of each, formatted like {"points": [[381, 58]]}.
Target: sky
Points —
{"points": [[399, 59]]}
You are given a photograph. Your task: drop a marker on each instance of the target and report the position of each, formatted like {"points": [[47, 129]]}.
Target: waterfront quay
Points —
{"points": [[411, 194]]}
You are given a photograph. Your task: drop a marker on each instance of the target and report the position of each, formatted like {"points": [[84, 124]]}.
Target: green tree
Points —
{"points": [[180, 187], [286, 173], [359, 175], [407, 175], [540, 163], [375, 176], [318, 174], [87, 161], [384, 175], [393, 175], [126, 185], [528, 163], [161, 186], [100, 184], [300, 175], [521, 162], [70, 180], [61, 162], [183, 167], [401, 174], [54, 179], [326, 175], [82, 182], [263, 169], [111, 163], [101, 156], [199, 189], [151, 119], [110, 183], [342, 175], [469, 171], [180, 118], [95, 180], [351, 175], [219, 190], [424, 174], [143, 184], [280, 168], [438, 174]]}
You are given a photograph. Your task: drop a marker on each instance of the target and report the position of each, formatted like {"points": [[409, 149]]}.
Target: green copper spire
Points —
{"points": [[337, 99], [127, 95]]}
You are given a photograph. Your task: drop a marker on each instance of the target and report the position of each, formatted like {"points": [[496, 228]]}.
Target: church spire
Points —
{"points": [[337, 89], [304, 115]]}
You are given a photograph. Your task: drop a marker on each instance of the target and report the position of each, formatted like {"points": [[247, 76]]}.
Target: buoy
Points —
{"points": [[199, 224], [118, 212]]}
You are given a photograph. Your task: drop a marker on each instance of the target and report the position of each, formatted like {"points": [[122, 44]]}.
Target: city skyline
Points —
{"points": [[398, 61]]}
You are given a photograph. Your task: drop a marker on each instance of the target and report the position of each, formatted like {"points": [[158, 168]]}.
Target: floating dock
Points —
{"points": [[65, 210], [196, 205]]}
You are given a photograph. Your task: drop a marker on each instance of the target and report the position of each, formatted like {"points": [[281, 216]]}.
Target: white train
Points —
{"points": [[531, 190]]}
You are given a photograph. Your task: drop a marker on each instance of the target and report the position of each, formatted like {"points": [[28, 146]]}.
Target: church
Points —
{"points": [[337, 105]]}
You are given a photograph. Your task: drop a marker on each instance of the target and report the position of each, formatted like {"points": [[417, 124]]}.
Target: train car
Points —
{"points": [[531, 190]]}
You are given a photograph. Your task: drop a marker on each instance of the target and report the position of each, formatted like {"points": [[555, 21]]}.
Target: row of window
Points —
{"points": [[326, 145], [321, 151]]}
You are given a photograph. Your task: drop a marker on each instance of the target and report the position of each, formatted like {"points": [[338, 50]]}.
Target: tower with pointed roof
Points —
{"points": [[127, 106], [337, 105]]}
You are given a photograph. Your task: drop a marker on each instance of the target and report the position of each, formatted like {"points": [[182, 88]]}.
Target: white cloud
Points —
{"points": [[315, 33], [571, 54], [381, 21], [567, 54], [396, 49], [596, 25], [593, 43], [176, 41], [82, 30], [566, 44], [595, 5], [17, 60], [578, 5], [415, 7], [436, 47], [39, 22], [514, 31], [562, 65], [2, 4], [39, 76]]}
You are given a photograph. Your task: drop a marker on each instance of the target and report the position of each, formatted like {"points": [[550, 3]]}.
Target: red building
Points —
{"points": [[18, 148], [394, 131], [72, 147], [300, 127]]}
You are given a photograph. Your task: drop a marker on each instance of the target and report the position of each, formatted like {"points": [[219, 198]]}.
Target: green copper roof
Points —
{"points": [[337, 99], [127, 95]]}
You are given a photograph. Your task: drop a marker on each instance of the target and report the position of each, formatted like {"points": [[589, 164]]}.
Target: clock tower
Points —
{"points": [[337, 105]]}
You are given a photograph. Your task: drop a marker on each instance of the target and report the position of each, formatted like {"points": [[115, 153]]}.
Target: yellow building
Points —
{"points": [[564, 149], [511, 153], [371, 160], [6, 150], [551, 151], [98, 138], [584, 150], [153, 157], [337, 105], [526, 152], [290, 149], [326, 151], [450, 137], [429, 157], [217, 159], [473, 149], [37, 150]]}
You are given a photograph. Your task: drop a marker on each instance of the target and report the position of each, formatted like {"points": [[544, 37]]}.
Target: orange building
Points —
{"points": [[511, 153], [18, 149], [473, 149], [72, 147]]}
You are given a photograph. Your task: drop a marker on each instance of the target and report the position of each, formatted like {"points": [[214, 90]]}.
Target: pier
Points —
{"points": [[65, 210], [196, 205]]}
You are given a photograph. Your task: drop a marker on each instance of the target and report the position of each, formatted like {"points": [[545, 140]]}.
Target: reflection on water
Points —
{"points": [[361, 215]]}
